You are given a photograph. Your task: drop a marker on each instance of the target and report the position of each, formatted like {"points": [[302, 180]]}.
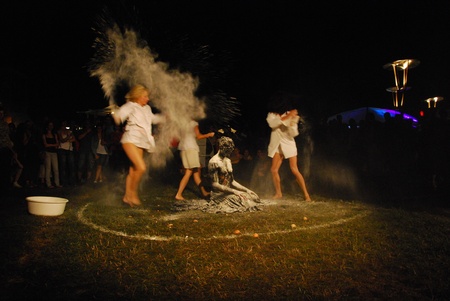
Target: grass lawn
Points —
{"points": [[331, 249]]}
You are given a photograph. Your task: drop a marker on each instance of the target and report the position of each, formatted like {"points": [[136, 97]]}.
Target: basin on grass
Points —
{"points": [[46, 205]]}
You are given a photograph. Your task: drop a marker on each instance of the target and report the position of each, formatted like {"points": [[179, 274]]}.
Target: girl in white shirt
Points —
{"points": [[282, 145], [137, 137], [189, 152]]}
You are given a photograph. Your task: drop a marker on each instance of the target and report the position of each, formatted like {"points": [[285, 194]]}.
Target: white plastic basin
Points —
{"points": [[46, 205]]}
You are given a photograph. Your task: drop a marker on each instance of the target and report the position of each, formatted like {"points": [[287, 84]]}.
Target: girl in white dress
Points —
{"points": [[137, 137], [282, 145]]}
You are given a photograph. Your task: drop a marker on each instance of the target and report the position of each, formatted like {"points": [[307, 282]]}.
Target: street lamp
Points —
{"points": [[400, 69], [432, 101]]}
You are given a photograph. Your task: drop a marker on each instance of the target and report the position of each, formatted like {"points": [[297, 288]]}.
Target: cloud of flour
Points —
{"points": [[128, 60]]}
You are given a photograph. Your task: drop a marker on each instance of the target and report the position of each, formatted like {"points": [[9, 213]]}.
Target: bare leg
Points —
{"points": [[136, 171], [299, 177], [276, 164], [183, 183], [98, 172], [18, 172], [198, 182]]}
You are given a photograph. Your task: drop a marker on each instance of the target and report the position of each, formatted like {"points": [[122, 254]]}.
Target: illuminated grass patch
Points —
{"points": [[281, 216]]}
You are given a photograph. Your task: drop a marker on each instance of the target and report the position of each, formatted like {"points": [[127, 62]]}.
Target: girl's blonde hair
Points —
{"points": [[136, 92]]}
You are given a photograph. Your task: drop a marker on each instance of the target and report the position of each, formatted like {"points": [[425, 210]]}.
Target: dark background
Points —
{"points": [[329, 53]]}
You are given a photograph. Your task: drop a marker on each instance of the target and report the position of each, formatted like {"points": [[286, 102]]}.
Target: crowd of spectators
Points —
{"points": [[393, 149], [58, 153]]}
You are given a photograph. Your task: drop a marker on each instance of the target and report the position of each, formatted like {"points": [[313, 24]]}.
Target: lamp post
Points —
{"points": [[432, 101], [400, 69]]}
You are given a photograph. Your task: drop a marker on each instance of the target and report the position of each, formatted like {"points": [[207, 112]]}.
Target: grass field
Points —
{"points": [[331, 249]]}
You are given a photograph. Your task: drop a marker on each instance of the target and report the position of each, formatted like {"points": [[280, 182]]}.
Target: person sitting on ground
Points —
{"points": [[227, 194]]}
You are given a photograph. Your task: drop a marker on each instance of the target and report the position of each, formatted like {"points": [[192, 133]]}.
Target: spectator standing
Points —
{"points": [[99, 145], [28, 152], [261, 172], [51, 145], [8, 156], [86, 155], [66, 155]]}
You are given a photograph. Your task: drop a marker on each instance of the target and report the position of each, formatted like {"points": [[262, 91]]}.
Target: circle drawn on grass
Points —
{"points": [[81, 217]]}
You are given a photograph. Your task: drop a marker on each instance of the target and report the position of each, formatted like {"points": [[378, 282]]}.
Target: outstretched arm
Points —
{"points": [[199, 135]]}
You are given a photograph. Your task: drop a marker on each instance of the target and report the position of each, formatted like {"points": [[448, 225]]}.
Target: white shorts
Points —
{"points": [[190, 158]]}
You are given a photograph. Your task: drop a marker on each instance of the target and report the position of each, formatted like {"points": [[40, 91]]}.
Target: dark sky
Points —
{"points": [[331, 55]]}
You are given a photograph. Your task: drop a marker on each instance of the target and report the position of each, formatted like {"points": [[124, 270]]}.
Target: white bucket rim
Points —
{"points": [[46, 199]]}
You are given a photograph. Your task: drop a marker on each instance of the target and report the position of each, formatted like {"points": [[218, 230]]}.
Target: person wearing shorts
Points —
{"points": [[189, 153]]}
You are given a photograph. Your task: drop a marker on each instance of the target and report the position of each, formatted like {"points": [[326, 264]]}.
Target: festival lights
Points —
{"points": [[432, 101], [400, 69]]}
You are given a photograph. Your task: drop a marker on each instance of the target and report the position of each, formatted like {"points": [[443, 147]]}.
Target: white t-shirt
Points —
{"points": [[138, 129], [101, 149], [188, 138], [282, 135], [66, 145]]}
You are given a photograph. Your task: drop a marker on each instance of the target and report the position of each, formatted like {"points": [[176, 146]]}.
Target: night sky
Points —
{"points": [[330, 55]]}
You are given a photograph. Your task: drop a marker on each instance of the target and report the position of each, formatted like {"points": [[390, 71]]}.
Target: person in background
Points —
{"points": [[17, 166], [246, 166], [99, 145], [118, 159], [261, 172], [85, 154], [9, 163], [189, 153], [283, 120], [66, 154], [28, 151], [137, 137], [51, 145]]}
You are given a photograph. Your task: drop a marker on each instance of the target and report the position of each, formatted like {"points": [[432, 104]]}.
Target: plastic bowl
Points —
{"points": [[46, 205]]}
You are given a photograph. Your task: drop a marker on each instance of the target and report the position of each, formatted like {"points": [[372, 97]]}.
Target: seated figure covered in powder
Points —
{"points": [[227, 194]]}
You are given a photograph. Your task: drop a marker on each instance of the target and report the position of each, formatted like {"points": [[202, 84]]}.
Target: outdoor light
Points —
{"points": [[433, 100], [400, 86], [395, 91]]}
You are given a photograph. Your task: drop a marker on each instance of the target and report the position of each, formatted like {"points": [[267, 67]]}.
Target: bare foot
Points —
{"points": [[132, 201], [126, 201], [179, 198], [136, 202], [308, 199], [277, 196]]}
